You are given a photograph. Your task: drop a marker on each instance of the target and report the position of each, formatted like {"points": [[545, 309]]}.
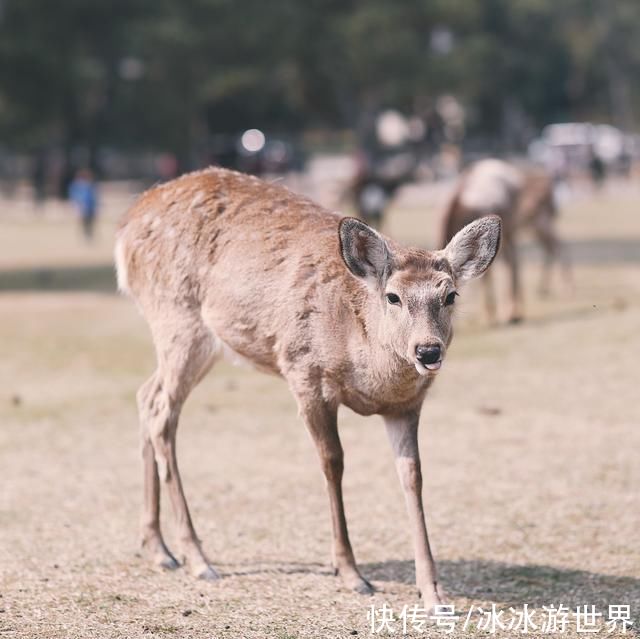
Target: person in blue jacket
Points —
{"points": [[83, 193]]}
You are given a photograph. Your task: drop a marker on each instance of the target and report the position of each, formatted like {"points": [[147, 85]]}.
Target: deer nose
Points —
{"points": [[428, 354]]}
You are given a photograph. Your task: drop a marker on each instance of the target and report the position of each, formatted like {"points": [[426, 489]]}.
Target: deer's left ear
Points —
{"points": [[471, 250]]}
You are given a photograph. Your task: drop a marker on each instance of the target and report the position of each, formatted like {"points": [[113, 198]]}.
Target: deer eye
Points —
{"points": [[450, 299], [392, 298]]}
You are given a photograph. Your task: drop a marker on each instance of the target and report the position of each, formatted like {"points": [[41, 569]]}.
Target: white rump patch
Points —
{"points": [[121, 266], [490, 186]]}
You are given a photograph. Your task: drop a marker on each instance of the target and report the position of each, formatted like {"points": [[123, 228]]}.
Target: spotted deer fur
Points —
{"points": [[223, 264]]}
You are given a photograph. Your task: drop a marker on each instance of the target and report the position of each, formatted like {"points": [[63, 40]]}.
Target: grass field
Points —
{"points": [[530, 442]]}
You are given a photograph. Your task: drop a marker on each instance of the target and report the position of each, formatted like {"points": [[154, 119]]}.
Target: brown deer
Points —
{"points": [[523, 199], [223, 263]]}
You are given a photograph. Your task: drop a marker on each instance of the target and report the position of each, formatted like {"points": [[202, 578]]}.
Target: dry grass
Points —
{"points": [[530, 443]]}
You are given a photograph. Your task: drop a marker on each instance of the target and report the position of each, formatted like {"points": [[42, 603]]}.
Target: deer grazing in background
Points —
{"points": [[523, 199], [220, 263]]}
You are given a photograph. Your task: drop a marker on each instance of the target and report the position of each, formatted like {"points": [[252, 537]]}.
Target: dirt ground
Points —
{"points": [[530, 442]]}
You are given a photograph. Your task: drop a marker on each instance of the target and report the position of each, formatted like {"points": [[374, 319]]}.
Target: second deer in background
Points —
{"points": [[523, 199]]}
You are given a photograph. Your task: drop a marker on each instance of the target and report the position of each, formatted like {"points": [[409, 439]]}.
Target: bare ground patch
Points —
{"points": [[530, 444]]}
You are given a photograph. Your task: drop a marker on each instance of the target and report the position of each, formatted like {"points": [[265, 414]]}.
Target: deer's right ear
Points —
{"points": [[364, 251]]}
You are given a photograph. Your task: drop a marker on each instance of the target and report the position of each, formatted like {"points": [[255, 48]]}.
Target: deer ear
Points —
{"points": [[471, 250], [364, 250]]}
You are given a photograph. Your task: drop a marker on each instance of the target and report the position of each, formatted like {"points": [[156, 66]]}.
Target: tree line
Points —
{"points": [[163, 74]]}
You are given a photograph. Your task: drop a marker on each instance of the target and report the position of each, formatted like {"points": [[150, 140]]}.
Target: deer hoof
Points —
{"points": [[167, 562], [364, 587], [160, 555], [209, 574], [433, 597], [353, 580]]}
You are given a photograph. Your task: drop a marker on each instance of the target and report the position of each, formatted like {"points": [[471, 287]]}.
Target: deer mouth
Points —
{"points": [[425, 369]]}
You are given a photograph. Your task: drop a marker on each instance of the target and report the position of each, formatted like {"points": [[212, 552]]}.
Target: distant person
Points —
{"points": [[386, 161], [167, 166], [597, 169], [83, 193], [39, 179], [66, 175]]}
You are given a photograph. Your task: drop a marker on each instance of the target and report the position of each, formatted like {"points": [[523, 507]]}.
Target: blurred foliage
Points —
{"points": [[165, 73]]}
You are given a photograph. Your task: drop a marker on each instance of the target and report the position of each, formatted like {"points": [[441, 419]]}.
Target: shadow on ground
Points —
{"points": [[515, 585], [494, 581], [273, 567], [100, 279]]}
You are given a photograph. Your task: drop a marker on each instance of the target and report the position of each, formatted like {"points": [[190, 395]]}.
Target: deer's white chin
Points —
{"points": [[425, 369]]}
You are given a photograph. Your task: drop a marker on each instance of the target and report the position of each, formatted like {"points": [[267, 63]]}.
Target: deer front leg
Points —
{"points": [[403, 435], [321, 420]]}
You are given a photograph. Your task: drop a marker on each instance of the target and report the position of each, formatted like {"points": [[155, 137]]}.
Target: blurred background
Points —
{"points": [[373, 108], [142, 89]]}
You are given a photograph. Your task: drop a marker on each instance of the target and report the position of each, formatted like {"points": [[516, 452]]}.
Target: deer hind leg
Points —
{"points": [[510, 255], [553, 251], [186, 351], [489, 297], [152, 540]]}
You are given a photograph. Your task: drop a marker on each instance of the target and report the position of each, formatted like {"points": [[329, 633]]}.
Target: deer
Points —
{"points": [[224, 264], [522, 199]]}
